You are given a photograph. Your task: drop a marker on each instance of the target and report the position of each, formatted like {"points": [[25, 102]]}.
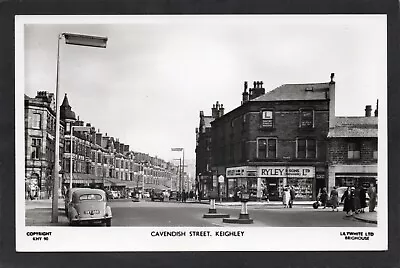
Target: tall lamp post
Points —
{"points": [[180, 174], [70, 39], [183, 162], [71, 170]]}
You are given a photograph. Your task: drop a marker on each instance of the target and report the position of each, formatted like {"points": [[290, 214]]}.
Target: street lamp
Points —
{"points": [[180, 174], [183, 162], [70, 39], [77, 128]]}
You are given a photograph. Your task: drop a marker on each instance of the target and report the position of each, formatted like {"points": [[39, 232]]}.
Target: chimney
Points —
{"points": [[116, 145], [245, 94], [221, 111], [368, 110], [257, 91], [376, 110], [98, 138], [201, 114], [332, 102], [214, 111]]}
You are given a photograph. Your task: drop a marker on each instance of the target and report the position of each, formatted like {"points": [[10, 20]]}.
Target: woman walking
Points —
{"points": [[286, 197], [323, 197], [363, 199], [348, 201], [372, 197], [357, 199], [335, 199]]}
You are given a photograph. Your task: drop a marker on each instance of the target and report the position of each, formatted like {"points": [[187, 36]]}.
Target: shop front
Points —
{"points": [[241, 179], [353, 175], [275, 178]]}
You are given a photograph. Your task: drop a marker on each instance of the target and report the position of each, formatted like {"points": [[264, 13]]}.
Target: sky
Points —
{"points": [[157, 73]]}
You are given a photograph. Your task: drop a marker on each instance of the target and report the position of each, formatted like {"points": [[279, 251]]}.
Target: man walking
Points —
{"points": [[292, 196]]}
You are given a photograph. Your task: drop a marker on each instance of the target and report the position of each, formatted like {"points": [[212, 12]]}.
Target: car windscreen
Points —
{"points": [[90, 197]]}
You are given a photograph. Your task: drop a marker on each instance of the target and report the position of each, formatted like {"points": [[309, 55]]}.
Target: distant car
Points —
{"points": [[157, 195], [173, 195], [89, 206], [146, 195]]}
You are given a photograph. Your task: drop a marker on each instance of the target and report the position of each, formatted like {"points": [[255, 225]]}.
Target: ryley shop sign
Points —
{"points": [[286, 172]]}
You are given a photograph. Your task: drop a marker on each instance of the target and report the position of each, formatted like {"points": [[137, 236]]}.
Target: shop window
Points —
{"points": [[36, 147], [375, 150], [353, 151], [36, 121], [266, 148], [306, 148], [267, 119], [306, 118]]}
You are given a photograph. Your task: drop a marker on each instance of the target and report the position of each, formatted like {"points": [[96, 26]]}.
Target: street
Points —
{"points": [[172, 213]]}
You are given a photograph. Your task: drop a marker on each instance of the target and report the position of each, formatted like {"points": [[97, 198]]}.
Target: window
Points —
{"points": [[267, 119], [375, 150], [36, 146], [306, 148], [68, 127], [306, 118], [91, 197], [36, 121], [353, 151], [266, 148]]}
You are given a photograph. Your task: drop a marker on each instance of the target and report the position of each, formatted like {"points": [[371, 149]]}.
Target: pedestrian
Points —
{"points": [[372, 197], [292, 196], [348, 201], [323, 197], [363, 199], [357, 199], [286, 197], [334, 199]]}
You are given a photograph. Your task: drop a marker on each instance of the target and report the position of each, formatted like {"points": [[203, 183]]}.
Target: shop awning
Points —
{"points": [[114, 182], [82, 178], [155, 186]]}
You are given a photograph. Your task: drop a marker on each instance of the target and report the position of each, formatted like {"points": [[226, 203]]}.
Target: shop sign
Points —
{"points": [[241, 172], [284, 172], [221, 179]]}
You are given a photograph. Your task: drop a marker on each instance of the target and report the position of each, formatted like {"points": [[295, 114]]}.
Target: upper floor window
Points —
{"points": [[306, 148], [36, 121], [306, 118], [266, 148], [353, 151], [68, 127], [267, 117], [36, 146]]}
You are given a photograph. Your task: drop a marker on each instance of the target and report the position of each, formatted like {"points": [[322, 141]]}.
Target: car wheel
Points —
{"points": [[108, 222]]}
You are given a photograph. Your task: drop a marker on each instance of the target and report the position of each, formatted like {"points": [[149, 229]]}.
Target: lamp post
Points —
{"points": [[183, 162], [70, 39], [180, 174], [77, 128]]}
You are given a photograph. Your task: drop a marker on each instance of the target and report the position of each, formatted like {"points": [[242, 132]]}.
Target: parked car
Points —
{"points": [[173, 195], [68, 197], [146, 195], [157, 195], [89, 206]]}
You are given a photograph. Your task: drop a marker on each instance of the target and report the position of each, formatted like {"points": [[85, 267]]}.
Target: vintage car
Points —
{"points": [[157, 195], [68, 197], [89, 206]]}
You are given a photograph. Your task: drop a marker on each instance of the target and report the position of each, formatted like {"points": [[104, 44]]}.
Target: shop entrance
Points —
{"points": [[273, 187]]}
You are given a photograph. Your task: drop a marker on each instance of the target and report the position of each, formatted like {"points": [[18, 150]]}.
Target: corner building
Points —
{"points": [[275, 139]]}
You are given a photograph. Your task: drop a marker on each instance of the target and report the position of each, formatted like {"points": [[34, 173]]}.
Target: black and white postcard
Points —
{"points": [[201, 133]]}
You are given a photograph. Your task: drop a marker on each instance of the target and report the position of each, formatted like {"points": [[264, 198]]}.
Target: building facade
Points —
{"points": [[274, 139], [204, 175], [97, 160], [353, 150], [40, 128]]}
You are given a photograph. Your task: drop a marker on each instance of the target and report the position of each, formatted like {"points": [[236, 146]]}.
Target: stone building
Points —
{"points": [[353, 150], [40, 128], [97, 160], [274, 139], [203, 148]]}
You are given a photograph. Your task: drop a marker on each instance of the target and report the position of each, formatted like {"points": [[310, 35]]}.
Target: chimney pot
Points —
{"points": [[368, 110], [332, 76], [245, 86]]}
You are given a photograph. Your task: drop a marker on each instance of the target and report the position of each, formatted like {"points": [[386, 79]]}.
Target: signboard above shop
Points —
{"points": [[241, 172], [286, 172]]}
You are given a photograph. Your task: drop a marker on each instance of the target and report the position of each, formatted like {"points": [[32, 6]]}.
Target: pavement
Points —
{"points": [[39, 212], [370, 217]]}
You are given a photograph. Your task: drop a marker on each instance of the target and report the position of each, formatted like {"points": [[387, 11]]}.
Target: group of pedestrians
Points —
{"points": [[184, 196], [355, 199], [288, 196]]}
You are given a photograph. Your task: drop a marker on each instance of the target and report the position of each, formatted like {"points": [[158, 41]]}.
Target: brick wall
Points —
{"points": [[338, 151]]}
